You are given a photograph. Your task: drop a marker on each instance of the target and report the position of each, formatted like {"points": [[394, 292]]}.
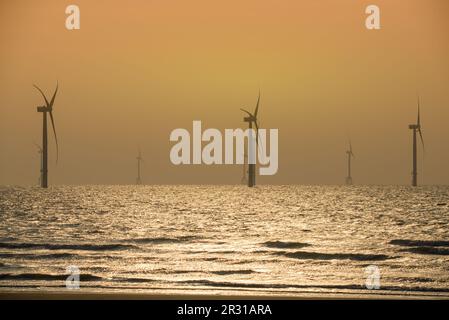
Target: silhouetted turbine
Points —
{"points": [[139, 160], [252, 118], [416, 128], [48, 108], [350, 155]]}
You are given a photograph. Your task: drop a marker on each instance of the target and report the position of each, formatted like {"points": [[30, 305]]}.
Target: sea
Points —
{"points": [[290, 240]]}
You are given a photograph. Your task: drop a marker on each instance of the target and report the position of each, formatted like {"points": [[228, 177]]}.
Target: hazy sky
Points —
{"points": [[136, 70]]}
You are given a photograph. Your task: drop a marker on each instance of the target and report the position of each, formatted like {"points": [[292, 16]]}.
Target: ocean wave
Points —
{"points": [[160, 240], [241, 284], [419, 243], [168, 271], [63, 277], [214, 251], [333, 256], [252, 285], [46, 277], [49, 246], [285, 244], [32, 256], [229, 272], [132, 280], [414, 279], [428, 250]]}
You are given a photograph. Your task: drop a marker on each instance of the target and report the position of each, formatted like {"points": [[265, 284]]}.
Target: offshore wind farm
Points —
{"points": [[251, 147], [258, 149]]}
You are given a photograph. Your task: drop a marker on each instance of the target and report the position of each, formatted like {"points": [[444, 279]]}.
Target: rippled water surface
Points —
{"points": [[226, 239]]}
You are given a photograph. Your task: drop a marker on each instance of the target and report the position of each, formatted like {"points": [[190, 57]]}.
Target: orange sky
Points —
{"points": [[138, 69]]}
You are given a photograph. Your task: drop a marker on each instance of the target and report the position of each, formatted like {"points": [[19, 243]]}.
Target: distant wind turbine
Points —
{"points": [[416, 128], [139, 160], [350, 156], [48, 108], [252, 118]]}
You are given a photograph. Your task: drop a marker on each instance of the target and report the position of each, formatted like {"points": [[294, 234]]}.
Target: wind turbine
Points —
{"points": [[252, 118], [350, 155], [139, 160], [40, 151], [416, 128], [48, 108]]}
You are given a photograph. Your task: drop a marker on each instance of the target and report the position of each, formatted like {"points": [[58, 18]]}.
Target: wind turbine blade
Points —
{"points": [[56, 138], [257, 106], [246, 111], [257, 132], [422, 140], [43, 95], [419, 118], [419, 125], [54, 96], [257, 135]]}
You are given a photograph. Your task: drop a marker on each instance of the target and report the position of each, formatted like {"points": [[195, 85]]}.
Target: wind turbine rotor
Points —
{"points": [[56, 137], [50, 106], [43, 95], [250, 115]]}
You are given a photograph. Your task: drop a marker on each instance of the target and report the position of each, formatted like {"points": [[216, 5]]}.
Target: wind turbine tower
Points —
{"points": [[48, 108], [350, 156], [416, 128], [139, 160]]}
